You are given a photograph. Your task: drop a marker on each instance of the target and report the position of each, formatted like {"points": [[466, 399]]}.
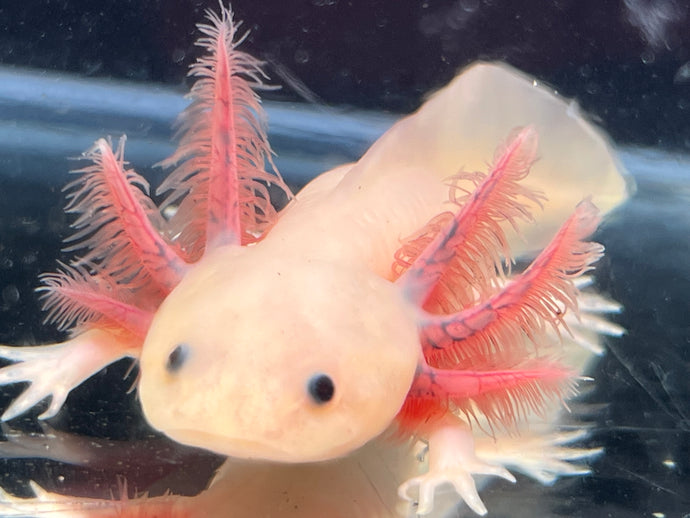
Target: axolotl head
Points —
{"points": [[257, 356]]}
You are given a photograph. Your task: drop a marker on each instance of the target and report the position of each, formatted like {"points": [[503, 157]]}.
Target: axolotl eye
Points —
{"points": [[321, 388], [177, 358]]}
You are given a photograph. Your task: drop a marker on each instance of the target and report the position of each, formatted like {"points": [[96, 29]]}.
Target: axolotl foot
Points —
{"points": [[54, 370], [454, 459]]}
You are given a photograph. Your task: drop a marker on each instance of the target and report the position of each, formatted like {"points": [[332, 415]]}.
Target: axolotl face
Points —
{"points": [[291, 360]]}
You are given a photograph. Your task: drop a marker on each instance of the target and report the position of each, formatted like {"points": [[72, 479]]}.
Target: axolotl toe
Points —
{"points": [[378, 309]]}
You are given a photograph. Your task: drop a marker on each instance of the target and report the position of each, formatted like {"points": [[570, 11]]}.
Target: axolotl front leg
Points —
{"points": [[453, 459], [456, 454], [54, 370]]}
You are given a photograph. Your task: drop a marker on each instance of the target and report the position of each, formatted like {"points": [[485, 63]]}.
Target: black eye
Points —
{"points": [[177, 358], [321, 388]]}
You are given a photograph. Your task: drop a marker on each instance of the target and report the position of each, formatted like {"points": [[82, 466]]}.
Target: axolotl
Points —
{"points": [[316, 344]]}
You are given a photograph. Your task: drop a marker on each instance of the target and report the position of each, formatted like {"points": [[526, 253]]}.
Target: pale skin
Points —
{"points": [[304, 346]]}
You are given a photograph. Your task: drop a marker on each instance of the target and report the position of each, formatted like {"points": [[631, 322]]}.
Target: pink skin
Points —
{"points": [[234, 309]]}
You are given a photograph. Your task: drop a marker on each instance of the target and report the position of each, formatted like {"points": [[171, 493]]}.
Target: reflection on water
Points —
{"points": [[639, 407]]}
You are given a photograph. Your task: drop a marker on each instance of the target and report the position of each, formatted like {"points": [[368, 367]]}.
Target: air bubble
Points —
{"points": [[682, 74], [178, 55], [30, 258], [592, 88], [469, 6], [647, 57], [10, 295], [301, 56]]}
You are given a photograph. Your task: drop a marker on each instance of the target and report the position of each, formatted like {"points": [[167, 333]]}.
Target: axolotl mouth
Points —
{"points": [[232, 446]]}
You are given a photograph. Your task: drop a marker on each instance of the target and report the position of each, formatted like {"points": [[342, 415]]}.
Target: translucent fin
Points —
{"points": [[220, 178], [458, 128], [54, 370]]}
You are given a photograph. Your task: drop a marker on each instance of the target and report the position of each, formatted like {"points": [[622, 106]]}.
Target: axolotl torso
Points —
{"points": [[311, 344]]}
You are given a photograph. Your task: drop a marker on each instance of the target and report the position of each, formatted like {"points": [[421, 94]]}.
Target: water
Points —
{"points": [[640, 405]]}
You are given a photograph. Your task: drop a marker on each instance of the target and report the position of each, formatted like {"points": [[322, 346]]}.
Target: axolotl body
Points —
{"points": [[313, 344]]}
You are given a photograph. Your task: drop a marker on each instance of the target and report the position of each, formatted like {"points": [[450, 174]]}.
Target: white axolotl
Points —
{"points": [[313, 345]]}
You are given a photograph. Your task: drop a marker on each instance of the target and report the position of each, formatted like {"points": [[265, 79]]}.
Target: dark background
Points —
{"points": [[627, 62], [623, 60]]}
